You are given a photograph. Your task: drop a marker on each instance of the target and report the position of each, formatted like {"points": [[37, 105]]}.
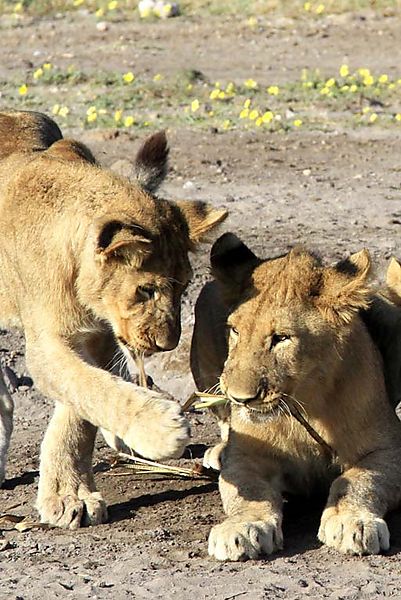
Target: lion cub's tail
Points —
{"points": [[26, 131]]}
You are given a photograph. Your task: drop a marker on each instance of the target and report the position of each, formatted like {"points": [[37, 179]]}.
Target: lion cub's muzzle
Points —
{"points": [[263, 398]]}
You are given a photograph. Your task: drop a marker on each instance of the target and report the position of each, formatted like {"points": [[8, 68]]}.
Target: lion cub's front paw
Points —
{"points": [[71, 512], [353, 533], [237, 539], [159, 430]]}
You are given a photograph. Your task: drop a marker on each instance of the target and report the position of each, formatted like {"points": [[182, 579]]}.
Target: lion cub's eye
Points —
{"points": [[277, 339], [146, 292]]}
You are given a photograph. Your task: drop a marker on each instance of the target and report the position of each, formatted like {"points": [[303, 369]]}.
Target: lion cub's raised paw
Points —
{"points": [[353, 533], [159, 431], [237, 539], [70, 512]]}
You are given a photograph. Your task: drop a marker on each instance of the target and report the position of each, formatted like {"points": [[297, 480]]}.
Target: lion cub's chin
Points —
{"points": [[257, 412]]}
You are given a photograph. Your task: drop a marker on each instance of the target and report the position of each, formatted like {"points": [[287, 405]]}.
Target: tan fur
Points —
{"points": [[92, 269], [296, 335]]}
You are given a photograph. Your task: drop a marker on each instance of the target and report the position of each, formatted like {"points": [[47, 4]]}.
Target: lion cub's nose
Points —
{"points": [[244, 396]]}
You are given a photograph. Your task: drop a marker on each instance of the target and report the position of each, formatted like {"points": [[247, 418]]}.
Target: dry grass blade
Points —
{"points": [[20, 523], [318, 438], [144, 466], [208, 400]]}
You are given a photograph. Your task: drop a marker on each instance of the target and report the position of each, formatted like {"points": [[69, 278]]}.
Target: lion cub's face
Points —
{"points": [[290, 316], [136, 265]]}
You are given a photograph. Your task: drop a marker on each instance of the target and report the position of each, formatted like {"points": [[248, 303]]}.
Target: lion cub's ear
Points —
{"points": [[117, 238], [344, 290], [201, 218], [393, 280], [232, 263], [151, 162]]}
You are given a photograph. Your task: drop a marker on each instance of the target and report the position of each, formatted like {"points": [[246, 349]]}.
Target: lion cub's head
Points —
{"points": [[135, 259], [290, 317]]}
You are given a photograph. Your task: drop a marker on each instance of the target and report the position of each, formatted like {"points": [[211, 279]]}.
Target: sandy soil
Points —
{"points": [[335, 192]]}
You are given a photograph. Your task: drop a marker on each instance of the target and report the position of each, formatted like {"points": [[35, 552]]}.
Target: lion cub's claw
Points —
{"points": [[70, 512], [353, 533], [239, 540]]}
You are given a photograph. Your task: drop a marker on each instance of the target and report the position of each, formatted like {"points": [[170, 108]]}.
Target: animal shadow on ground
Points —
{"points": [[125, 510], [26, 478]]}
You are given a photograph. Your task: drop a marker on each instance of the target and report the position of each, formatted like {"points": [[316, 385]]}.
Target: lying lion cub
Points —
{"points": [[92, 267], [296, 340]]}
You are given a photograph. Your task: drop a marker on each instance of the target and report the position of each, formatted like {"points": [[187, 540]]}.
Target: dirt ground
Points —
{"points": [[336, 192]]}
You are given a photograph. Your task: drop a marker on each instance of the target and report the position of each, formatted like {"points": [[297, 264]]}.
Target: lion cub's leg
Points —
{"points": [[352, 521], [6, 425], [253, 502], [67, 494], [213, 456]]}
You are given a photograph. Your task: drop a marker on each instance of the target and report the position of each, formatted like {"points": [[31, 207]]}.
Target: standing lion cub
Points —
{"points": [[297, 339], [92, 266]]}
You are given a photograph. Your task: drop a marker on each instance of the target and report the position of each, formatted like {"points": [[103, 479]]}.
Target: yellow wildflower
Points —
{"points": [[391, 86], [129, 121], [251, 84], [23, 89], [221, 95], [353, 88], [118, 115], [247, 103], [325, 91], [112, 5], [91, 117], [244, 113], [47, 66], [189, 87], [230, 89], [195, 105], [99, 12], [297, 122], [319, 9], [252, 21], [344, 88], [307, 6], [253, 114], [91, 110], [383, 78], [267, 117], [18, 7], [55, 109], [38, 73], [398, 117], [372, 118], [214, 94], [259, 122], [158, 77], [63, 111], [344, 71], [128, 77], [226, 124], [368, 80], [366, 109], [330, 82], [273, 90]]}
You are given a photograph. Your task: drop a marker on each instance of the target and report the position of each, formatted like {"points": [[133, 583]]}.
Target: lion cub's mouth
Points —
{"points": [[266, 405]]}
